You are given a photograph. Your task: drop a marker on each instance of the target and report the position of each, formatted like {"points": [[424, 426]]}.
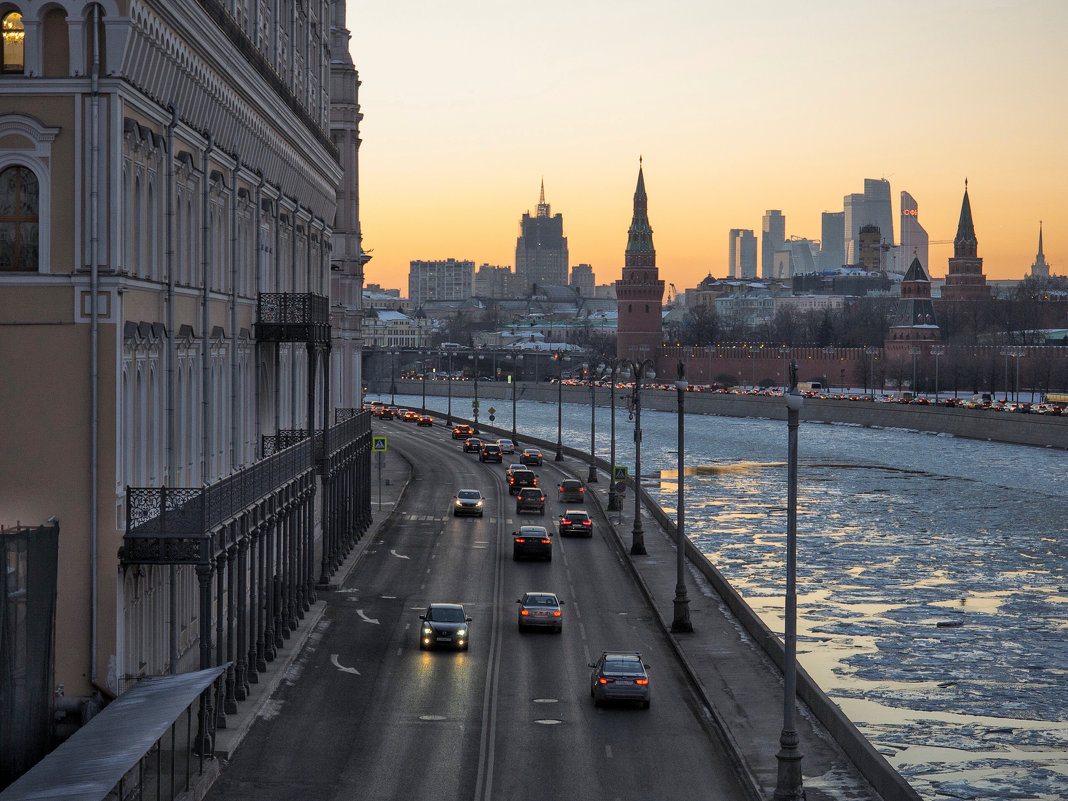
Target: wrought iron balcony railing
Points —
{"points": [[292, 317]]}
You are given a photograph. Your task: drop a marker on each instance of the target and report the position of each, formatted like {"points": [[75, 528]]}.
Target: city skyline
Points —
{"points": [[732, 117]]}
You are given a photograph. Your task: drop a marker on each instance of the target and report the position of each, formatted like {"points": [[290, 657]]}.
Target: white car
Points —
{"points": [[468, 502], [507, 446]]}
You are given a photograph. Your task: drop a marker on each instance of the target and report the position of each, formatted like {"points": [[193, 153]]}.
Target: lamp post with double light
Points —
{"points": [[559, 358], [614, 504], [475, 359], [516, 358], [870, 352], [936, 351], [423, 370], [788, 785], [393, 377], [591, 477], [448, 413], [915, 351], [681, 621], [640, 370]]}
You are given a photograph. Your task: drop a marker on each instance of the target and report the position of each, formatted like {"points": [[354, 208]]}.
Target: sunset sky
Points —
{"points": [[734, 107]]}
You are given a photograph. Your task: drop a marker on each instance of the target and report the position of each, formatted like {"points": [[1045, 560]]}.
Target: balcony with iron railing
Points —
{"points": [[292, 317]]}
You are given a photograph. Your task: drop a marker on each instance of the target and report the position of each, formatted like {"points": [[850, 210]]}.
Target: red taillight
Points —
{"points": [[565, 522], [520, 539], [641, 681], [524, 612], [546, 542], [587, 523], [582, 489], [557, 613], [603, 680]]}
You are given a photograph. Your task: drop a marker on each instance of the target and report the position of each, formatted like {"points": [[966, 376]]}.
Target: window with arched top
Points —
{"points": [[13, 55], [19, 220]]}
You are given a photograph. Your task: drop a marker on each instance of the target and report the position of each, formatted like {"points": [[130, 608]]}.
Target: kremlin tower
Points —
{"points": [[640, 325], [965, 279]]}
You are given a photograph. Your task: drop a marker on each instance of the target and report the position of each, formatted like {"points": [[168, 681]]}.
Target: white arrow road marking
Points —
{"points": [[365, 618], [398, 555], [346, 590], [335, 663]]}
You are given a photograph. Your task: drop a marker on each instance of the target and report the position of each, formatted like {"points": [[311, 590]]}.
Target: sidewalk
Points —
{"points": [[394, 479], [739, 682]]}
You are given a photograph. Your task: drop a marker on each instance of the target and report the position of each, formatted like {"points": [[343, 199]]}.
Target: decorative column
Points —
{"points": [[230, 706], [241, 668]]}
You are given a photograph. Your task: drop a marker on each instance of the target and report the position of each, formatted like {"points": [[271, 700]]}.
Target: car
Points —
{"points": [[541, 610], [404, 414], [571, 490], [472, 445], [507, 446], [462, 432], [620, 676], [513, 467], [425, 420], [444, 625], [468, 502], [519, 479], [530, 499], [490, 452], [576, 521], [531, 457], [532, 541], [384, 413]]}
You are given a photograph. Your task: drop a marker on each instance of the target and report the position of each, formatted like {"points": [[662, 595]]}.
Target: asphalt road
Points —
{"points": [[365, 714]]}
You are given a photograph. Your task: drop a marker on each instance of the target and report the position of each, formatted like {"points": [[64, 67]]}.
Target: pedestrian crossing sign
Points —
{"points": [[619, 473], [378, 444]]}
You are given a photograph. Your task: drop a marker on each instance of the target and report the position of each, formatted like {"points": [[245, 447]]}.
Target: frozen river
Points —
{"points": [[932, 578]]}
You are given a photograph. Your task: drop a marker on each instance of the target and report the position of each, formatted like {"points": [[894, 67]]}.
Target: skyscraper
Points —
{"points": [[873, 207], [832, 240], [541, 250], [742, 253], [914, 240], [772, 236], [639, 293], [583, 280]]}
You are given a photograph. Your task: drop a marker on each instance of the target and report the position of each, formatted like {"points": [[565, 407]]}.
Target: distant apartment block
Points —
{"points": [[583, 280], [742, 253], [495, 282], [440, 280], [772, 236]]}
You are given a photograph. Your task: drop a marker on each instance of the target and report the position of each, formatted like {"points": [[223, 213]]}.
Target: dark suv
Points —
{"points": [[530, 499], [576, 521], [491, 452], [519, 479], [571, 490]]}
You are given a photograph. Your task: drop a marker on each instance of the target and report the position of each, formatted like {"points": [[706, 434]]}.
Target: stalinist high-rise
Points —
{"points": [[541, 249]]}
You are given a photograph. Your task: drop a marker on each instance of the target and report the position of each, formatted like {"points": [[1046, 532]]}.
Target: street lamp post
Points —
{"points": [[915, 355], [424, 380], [559, 409], [870, 352], [937, 351], [448, 414], [591, 477], [788, 785], [614, 504], [515, 380], [783, 351], [393, 377], [681, 621], [828, 352], [637, 543], [474, 406]]}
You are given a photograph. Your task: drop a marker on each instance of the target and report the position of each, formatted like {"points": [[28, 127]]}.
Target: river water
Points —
{"points": [[932, 577]]}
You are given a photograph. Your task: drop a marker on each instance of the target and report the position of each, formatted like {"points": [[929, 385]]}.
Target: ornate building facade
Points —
{"points": [[170, 174], [640, 292]]}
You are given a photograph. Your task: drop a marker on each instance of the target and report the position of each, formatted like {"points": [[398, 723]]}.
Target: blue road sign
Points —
{"points": [[378, 444]]}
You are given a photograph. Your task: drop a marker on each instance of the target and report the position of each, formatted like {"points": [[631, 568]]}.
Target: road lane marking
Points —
{"points": [[392, 552], [335, 663], [608, 751], [365, 618]]}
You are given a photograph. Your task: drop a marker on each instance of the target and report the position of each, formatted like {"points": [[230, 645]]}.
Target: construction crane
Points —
{"points": [[672, 294]]}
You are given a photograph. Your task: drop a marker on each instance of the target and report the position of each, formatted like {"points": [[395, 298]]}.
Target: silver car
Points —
{"points": [[541, 610], [468, 502], [619, 676]]}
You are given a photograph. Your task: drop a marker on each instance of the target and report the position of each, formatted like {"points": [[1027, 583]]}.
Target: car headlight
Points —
{"points": [[459, 502], [461, 632], [479, 503], [427, 630]]}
